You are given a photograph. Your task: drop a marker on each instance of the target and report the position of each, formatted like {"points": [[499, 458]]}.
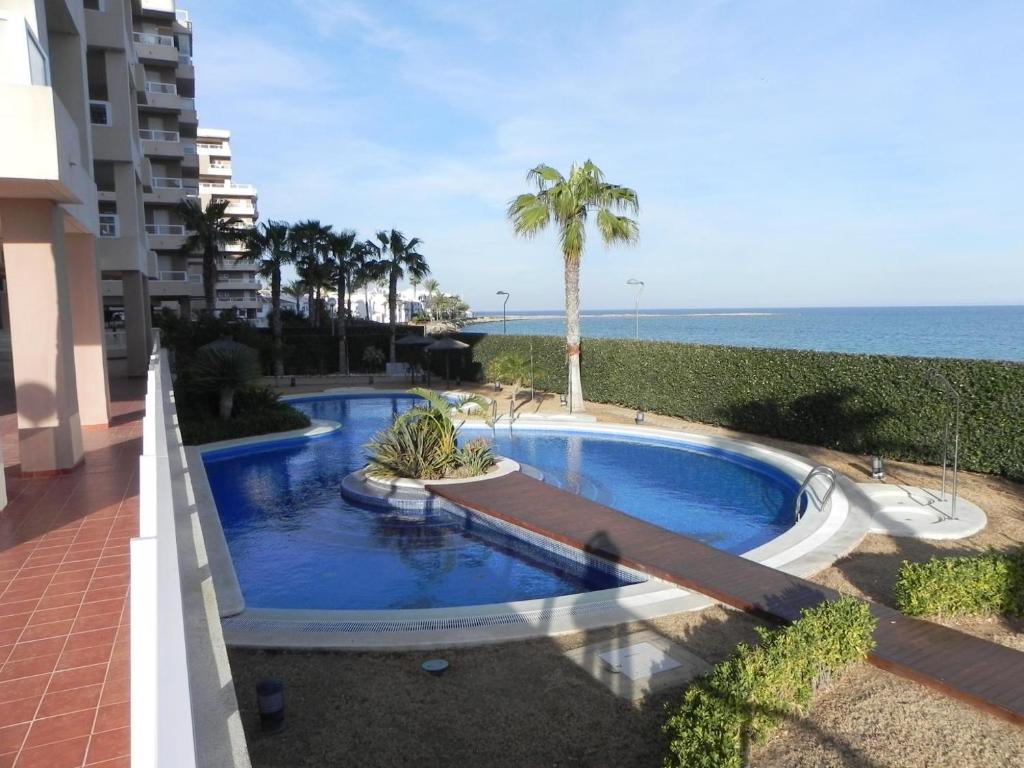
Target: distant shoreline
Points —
{"points": [[510, 318]]}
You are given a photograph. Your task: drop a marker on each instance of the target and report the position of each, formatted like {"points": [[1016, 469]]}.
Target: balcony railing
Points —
{"points": [[109, 225], [151, 38], [188, 102], [158, 87], [152, 134], [184, 59], [167, 182], [188, 149], [165, 229], [99, 112], [228, 187]]}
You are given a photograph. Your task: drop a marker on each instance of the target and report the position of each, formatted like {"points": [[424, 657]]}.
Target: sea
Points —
{"points": [[983, 332]]}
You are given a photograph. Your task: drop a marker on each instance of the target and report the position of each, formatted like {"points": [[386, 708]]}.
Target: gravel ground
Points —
{"points": [[524, 704]]}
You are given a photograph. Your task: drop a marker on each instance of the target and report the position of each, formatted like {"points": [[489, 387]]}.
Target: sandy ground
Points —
{"points": [[524, 704]]}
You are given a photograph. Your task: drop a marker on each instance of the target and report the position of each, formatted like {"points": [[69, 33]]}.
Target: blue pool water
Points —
{"points": [[296, 543]]}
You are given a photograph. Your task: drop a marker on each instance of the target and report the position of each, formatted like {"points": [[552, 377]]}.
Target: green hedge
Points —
{"points": [[978, 585], [857, 403], [746, 696]]}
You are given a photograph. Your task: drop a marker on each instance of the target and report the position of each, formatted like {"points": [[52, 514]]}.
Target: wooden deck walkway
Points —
{"points": [[978, 672]]}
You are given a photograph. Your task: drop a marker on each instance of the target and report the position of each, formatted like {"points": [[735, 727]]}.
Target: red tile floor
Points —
{"points": [[64, 659]]}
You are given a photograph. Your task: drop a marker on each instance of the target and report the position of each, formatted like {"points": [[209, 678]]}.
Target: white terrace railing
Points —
{"points": [[162, 731]]}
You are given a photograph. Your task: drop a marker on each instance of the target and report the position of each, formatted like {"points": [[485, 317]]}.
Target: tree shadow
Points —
{"points": [[842, 417]]}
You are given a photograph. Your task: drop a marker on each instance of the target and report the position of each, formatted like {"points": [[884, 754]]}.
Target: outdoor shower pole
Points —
{"points": [[945, 383], [636, 304], [504, 314]]}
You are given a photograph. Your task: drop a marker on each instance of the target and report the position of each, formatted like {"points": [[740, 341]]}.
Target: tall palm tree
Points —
{"points": [[341, 246], [399, 257], [211, 229], [309, 243], [569, 202], [369, 270], [271, 245], [431, 286]]}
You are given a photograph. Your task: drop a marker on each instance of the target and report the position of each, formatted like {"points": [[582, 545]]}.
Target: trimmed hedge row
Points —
{"points": [[856, 403], [746, 696], [976, 585]]}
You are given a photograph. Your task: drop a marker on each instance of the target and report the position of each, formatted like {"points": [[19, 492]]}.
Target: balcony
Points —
{"points": [[161, 143], [165, 229], [220, 149], [155, 48], [170, 190], [158, 87], [227, 190], [166, 237], [176, 284], [109, 225]]}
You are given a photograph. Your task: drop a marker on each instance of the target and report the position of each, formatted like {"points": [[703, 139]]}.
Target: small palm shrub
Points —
{"points": [[422, 443], [224, 368], [979, 585], [256, 411], [515, 369], [746, 696]]}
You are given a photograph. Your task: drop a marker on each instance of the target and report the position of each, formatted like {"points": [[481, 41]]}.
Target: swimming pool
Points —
{"points": [[295, 543]]}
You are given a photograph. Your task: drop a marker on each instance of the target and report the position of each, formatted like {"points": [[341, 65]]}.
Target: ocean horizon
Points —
{"points": [[989, 332]]}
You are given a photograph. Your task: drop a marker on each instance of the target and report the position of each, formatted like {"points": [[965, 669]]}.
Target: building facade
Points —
{"points": [[98, 145]]}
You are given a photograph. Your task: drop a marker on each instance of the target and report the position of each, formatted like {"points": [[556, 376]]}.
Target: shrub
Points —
{"points": [[224, 367], [422, 443], [281, 419], [857, 403], [746, 696], [257, 411], [515, 369], [977, 585], [373, 358]]}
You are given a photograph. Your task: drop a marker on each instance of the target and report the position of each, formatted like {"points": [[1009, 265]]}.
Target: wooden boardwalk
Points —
{"points": [[984, 674]]}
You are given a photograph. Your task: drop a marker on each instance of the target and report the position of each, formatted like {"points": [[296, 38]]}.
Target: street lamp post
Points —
{"points": [[504, 316], [636, 303]]}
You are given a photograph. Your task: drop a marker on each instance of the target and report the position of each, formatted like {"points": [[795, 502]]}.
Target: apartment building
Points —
{"points": [[238, 282], [99, 145]]}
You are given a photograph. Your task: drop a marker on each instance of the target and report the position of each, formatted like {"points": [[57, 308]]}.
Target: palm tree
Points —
{"points": [[399, 257], [341, 246], [369, 269], [270, 243], [309, 243], [569, 201], [431, 286], [211, 229], [515, 369], [296, 289]]}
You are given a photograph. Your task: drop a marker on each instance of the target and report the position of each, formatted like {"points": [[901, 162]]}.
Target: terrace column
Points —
{"points": [[135, 325], [87, 327], [42, 340]]}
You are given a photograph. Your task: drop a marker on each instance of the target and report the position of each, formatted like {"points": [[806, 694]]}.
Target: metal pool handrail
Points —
{"points": [[828, 473]]}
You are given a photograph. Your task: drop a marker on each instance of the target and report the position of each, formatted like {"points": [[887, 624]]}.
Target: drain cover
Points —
{"points": [[435, 667], [639, 661]]}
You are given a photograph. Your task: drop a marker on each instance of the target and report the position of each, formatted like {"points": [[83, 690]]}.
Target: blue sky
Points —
{"points": [[785, 153]]}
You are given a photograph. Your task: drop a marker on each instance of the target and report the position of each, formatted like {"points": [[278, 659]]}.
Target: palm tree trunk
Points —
{"points": [[227, 402], [392, 307], [275, 321], [572, 331], [210, 277], [309, 308], [343, 327]]}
